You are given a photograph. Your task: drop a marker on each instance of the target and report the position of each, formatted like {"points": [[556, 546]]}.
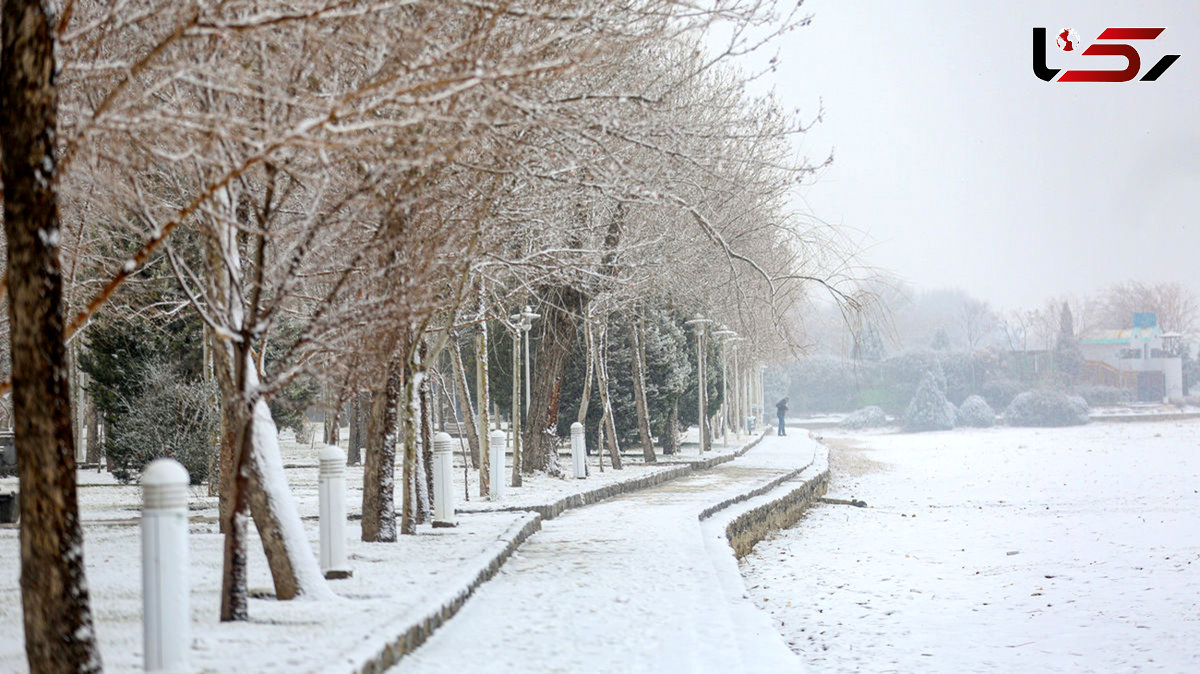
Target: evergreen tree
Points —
{"points": [[929, 410]]}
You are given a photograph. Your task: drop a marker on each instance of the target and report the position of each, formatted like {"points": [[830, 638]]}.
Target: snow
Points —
{"points": [[393, 583], [269, 459], [393, 586], [633, 584], [996, 550]]}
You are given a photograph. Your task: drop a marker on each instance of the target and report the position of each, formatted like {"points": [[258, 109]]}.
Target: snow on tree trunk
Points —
{"points": [[379, 485], [294, 568], [639, 390], [410, 510], [59, 636]]}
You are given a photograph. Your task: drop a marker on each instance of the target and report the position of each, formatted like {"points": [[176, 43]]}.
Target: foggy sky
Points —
{"points": [[962, 169]]}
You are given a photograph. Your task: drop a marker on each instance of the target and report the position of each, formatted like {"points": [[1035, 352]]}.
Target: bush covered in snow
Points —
{"points": [[871, 416], [975, 412], [1000, 392], [1046, 408], [1104, 395], [170, 418], [929, 410]]}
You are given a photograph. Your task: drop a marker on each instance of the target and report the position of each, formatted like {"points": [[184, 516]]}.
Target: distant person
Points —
{"points": [[781, 409]]}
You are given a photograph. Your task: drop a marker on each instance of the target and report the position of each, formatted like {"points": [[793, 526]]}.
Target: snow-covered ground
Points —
{"points": [[996, 550], [394, 584], [634, 584]]}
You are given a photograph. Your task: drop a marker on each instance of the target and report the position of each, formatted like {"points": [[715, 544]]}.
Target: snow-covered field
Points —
{"points": [[996, 550]]}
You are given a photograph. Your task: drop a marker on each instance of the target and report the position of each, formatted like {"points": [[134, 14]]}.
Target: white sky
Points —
{"points": [[965, 170]]}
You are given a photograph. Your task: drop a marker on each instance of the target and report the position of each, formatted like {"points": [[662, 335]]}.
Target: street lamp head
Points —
{"points": [[698, 323]]}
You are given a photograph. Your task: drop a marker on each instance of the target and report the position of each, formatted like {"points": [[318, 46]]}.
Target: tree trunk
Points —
{"points": [[379, 486], [561, 309], [607, 421], [92, 420], [590, 358], [294, 568], [466, 421], [481, 414], [354, 441], [410, 511], [333, 417], [670, 434], [639, 390], [426, 402], [59, 636]]}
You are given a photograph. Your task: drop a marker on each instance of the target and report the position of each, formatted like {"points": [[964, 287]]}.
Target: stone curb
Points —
{"points": [[747, 528], [390, 652], [681, 468], [414, 635]]}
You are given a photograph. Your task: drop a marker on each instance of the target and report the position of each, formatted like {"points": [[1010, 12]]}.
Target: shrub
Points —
{"points": [[1000, 392], [1104, 395], [976, 412], [1046, 408], [170, 418], [929, 410], [867, 417]]}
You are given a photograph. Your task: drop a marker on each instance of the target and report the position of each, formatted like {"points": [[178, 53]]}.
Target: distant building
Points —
{"points": [[1143, 359]]}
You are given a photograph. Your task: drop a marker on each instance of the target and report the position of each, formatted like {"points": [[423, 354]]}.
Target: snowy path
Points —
{"points": [[627, 585], [997, 550]]}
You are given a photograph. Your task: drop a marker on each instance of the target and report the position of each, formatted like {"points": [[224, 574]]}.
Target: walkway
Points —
{"points": [[627, 585]]}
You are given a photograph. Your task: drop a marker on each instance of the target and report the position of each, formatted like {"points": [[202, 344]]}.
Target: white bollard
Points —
{"points": [[165, 609], [578, 450], [496, 452], [443, 480], [331, 491]]}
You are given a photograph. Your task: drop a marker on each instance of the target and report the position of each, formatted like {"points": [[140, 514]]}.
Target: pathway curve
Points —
{"points": [[627, 585]]}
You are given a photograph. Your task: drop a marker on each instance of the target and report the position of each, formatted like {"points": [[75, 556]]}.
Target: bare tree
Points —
{"points": [[59, 636]]}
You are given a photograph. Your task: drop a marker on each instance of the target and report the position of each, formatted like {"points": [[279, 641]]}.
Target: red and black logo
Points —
{"points": [[1068, 41]]}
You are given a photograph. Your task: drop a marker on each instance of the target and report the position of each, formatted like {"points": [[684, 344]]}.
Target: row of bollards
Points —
{"points": [[165, 605]]}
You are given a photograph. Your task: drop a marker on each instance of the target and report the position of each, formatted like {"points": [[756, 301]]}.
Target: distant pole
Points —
{"points": [[736, 411], [527, 319], [698, 324], [165, 608], [724, 334], [331, 493]]}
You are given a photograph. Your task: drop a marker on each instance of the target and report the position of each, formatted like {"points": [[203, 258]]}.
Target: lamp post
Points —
{"points": [[738, 411], [698, 324], [527, 319], [724, 334], [520, 323]]}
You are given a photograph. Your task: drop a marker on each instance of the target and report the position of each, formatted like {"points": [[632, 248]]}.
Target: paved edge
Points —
{"points": [[551, 510], [774, 506], [380, 654]]}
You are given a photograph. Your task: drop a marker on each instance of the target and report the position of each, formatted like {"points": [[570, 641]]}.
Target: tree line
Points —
{"points": [[350, 197]]}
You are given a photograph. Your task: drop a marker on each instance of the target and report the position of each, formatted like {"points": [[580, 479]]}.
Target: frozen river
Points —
{"points": [[997, 550]]}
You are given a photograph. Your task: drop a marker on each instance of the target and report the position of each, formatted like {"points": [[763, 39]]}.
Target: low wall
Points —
{"points": [[788, 498]]}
